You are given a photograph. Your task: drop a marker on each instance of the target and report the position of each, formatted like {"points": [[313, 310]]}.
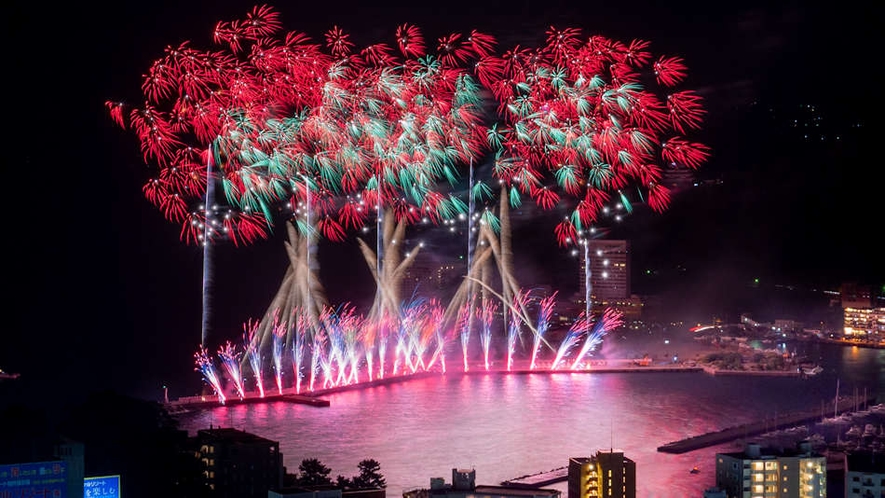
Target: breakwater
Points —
{"points": [[784, 421]]}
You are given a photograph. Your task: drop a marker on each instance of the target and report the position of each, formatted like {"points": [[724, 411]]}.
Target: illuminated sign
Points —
{"points": [[101, 487], [33, 479]]}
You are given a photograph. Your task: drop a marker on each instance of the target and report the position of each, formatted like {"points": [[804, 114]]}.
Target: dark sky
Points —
{"points": [[103, 294]]}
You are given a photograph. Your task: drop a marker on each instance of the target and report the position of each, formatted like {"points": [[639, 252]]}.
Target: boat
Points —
{"points": [[869, 431], [694, 470], [5, 375], [812, 370], [854, 431]]}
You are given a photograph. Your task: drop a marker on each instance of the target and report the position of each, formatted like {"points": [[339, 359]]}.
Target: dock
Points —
{"points": [[539, 480], [756, 428], [202, 402]]}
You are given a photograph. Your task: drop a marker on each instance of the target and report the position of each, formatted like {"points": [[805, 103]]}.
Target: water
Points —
{"points": [[505, 426]]}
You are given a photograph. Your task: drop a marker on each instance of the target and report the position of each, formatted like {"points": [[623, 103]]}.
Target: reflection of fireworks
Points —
{"points": [[207, 369], [230, 359], [610, 320]]}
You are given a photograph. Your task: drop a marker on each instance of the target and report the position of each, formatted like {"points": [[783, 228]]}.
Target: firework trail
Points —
{"points": [[545, 312], [298, 349], [489, 309], [369, 333], [400, 348], [436, 322], [230, 359], [207, 248], [207, 369], [384, 328], [350, 325], [251, 342], [520, 300], [578, 329], [610, 320], [279, 339], [462, 325], [317, 349], [419, 332]]}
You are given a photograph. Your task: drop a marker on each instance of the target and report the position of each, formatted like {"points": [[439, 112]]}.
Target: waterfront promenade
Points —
{"points": [[784, 421]]}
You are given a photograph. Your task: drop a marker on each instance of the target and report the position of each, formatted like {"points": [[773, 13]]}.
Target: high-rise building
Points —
{"points": [[237, 464], [855, 296], [607, 474], [864, 474], [609, 270], [760, 472], [864, 324]]}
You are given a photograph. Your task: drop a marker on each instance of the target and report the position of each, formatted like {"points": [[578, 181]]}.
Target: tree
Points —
{"points": [[370, 476], [344, 483], [313, 473]]}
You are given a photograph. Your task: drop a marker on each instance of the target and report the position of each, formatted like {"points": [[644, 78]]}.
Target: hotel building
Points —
{"points": [[609, 278], [607, 474], [764, 473], [864, 474], [237, 464]]}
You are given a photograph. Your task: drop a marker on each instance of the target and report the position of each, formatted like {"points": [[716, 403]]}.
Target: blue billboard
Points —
{"points": [[101, 487], [33, 480]]}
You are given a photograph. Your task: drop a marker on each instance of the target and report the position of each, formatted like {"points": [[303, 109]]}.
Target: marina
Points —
{"points": [[844, 406]]}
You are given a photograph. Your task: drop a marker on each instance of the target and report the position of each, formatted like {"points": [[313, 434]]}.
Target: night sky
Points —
{"points": [[102, 294]]}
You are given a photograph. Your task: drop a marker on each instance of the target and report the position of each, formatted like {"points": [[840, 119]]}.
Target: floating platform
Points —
{"points": [[539, 480], [756, 428]]}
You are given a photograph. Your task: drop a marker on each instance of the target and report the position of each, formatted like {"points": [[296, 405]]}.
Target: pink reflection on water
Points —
{"points": [[507, 425]]}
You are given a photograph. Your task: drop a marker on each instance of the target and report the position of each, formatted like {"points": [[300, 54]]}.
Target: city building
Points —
{"points": [[864, 324], [328, 491], [237, 464], [609, 279], [430, 276], [609, 270], [760, 472], [715, 493], [864, 474], [464, 486], [607, 474], [855, 296]]}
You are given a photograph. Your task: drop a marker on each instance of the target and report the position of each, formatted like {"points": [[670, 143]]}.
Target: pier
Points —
{"points": [[787, 420], [201, 402], [539, 480]]}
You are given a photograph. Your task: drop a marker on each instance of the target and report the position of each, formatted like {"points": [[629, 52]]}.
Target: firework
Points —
{"points": [[610, 320], [207, 369], [487, 317], [578, 329], [230, 360], [279, 339], [250, 341], [545, 312], [586, 119], [514, 327]]}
